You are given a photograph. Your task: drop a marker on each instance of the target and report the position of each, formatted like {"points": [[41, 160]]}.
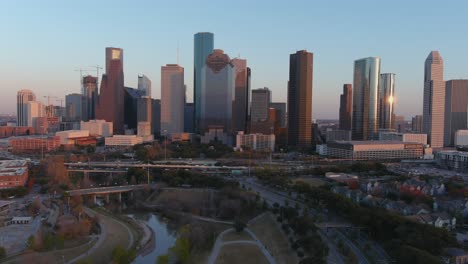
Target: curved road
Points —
{"points": [[219, 244], [102, 236]]}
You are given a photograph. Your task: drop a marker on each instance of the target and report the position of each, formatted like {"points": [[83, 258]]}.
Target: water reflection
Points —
{"points": [[164, 235]]}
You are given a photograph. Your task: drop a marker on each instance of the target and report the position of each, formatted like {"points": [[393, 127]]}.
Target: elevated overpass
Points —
{"points": [[87, 165], [106, 191]]}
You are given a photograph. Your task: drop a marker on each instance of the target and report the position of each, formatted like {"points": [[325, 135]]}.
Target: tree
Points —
{"points": [[163, 259], [2, 252], [122, 256], [239, 225]]}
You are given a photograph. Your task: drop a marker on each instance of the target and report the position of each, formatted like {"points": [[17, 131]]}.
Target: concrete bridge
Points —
{"points": [[107, 191]]}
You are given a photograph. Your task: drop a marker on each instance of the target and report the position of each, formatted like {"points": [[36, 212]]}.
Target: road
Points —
{"points": [[220, 243], [361, 258], [273, 196]]}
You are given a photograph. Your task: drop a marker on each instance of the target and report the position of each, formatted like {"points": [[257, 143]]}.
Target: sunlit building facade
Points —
{"points": [[22, 98], [434, 99], [365, 98], [386, 100]]}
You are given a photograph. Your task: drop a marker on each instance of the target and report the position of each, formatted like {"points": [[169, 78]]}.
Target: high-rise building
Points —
{"points": [[203, 46], [416, 124], [90, 97], [456, 109], [156, 116], [346, 107], [261, 99], [386, 100], [188, 118], [281, 113], [300, 99], [34, 110], [111, 97], [241, 95], [259, 111], [132, 100], [434, 99], [172, 99], [73, 106], [144, 85], [365, 98], [217, 86], [22, 98], [144, 109]]}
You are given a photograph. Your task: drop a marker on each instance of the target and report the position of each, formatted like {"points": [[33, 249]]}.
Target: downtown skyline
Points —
{"points": [[50, 69]]}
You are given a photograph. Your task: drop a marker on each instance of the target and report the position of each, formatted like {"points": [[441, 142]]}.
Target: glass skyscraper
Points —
{"points": [[217, 93], [386, 100], [203, 46], [365, 98]]}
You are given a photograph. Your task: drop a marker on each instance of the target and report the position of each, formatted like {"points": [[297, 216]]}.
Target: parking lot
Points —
{"points": [[14, 237]]}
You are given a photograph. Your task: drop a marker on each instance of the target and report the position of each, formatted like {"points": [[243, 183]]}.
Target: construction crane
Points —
{"points": [[81, 77], [97, 67], [49, 108]]}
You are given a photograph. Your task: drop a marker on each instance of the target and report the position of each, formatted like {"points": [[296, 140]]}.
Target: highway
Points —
{"points": [[87, 165], [106, 190]]}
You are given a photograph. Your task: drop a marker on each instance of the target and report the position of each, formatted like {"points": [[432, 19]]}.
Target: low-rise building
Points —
{"points": [[99, 128], [259, 142], [123, 140], [337, 134], [375, 150], [452, 160], [457, 255], [34, 144], [144, 131], [181, 137], [73, 137], [404, 137], [12, 131], [342, 177], [13, 173], [461, 138], [440, 220], [216, 133]]}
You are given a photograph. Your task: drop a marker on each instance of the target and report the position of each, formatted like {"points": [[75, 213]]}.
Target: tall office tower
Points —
{"points": [[111, 97], [346, 107], [34, 110], [365, 98], [416, 124], [172, 99], [300, 99], [90, 95], [259, 111], [22, 98], [203, 46], [281, 113], [241, 95], [261, 99], [434, 99], [188, 118], [217, 86], [386, 99], [456, 109], [73, 104], [144, 85], [155, 116], [144, 109]]}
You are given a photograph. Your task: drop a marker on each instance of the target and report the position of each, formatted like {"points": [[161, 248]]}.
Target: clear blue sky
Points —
{"points": [[43, 42]]}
